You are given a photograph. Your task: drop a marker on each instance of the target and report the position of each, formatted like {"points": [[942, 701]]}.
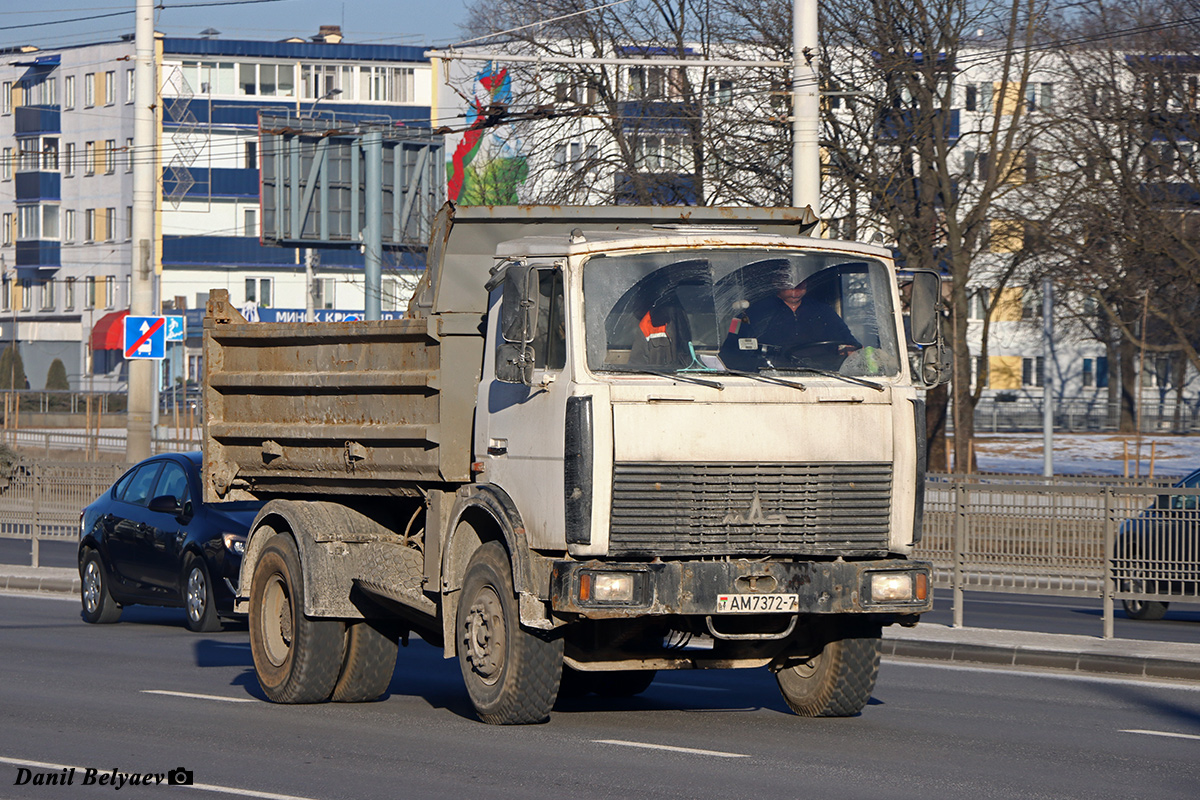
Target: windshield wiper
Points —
{"points": [[662, 373], [764, 378], [828, 373]]}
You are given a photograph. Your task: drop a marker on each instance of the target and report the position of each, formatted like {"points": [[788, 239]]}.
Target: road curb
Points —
{"points": [[1091, 663], [48, 584]]}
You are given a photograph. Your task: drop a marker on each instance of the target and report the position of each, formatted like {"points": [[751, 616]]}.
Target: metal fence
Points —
{"points": [[105, 441], [41, 500], [1111, 539]]}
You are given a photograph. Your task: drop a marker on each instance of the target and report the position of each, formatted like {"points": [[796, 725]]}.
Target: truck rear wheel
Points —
{"points": [[297, 658], [837, 682], [371, 647], [511, 675]]}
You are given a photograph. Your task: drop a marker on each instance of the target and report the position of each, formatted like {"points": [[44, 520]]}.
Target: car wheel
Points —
{"points": [[198, 597], [297, 658], [1142, 609], [511, 674], [98, 604]]}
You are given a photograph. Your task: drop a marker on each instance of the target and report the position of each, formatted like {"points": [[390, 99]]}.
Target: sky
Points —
{"points": [[412, 22]]}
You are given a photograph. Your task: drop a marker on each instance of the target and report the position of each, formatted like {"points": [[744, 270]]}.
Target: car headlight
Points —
{"points": [[234, 543]]}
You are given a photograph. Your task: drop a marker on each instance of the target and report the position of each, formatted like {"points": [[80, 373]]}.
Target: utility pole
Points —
{"points": [[142, 275], [806, 107], [373, 233]]}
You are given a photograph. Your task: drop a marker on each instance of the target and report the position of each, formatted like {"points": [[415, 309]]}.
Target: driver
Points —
{"points": [[783, 324]]}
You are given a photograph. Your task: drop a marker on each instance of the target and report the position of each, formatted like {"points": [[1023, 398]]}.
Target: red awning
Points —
{"points": [[109, 331]]}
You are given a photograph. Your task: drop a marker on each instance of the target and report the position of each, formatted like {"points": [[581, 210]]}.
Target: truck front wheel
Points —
{"points": [[837, 682], [511, 674], [297, 658]]}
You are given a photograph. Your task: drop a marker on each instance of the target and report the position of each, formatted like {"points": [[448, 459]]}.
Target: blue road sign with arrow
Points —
{"points": [[145, 337]]}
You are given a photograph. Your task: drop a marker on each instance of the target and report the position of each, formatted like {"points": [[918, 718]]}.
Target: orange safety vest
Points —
{"points": [[652, 331]]}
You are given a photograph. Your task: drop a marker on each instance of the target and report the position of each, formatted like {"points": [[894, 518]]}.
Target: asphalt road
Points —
{"points": [[147, 696]]}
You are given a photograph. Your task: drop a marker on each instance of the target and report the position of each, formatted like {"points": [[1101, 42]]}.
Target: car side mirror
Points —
{"points": [[165, 504]]}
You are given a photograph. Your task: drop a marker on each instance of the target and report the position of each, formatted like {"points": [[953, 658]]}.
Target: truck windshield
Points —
{"points": [[740, 310]]}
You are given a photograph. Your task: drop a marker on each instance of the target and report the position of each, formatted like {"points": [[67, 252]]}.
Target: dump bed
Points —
{"points": [[384, 407]]}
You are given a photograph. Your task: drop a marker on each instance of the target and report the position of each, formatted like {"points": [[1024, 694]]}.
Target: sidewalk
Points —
{"points": [[927, 641]]}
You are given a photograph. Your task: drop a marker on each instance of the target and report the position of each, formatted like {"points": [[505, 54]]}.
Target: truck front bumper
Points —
{"points": [[607, 590]]}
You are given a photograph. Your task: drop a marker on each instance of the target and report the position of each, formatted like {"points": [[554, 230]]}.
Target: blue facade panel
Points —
{"points": [[37, 120], [222, 183], [33, 187], [245, 113], [223, 251], [39, 255], [316, 51]]}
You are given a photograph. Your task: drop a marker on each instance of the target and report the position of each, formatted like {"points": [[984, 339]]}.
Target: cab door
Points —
{"points": [[520, 426]]}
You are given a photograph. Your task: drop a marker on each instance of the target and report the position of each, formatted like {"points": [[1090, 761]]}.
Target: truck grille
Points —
{"points": [[747, 509]]}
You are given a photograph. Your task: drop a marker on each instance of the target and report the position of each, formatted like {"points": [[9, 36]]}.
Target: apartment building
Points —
{"points": [[66, 133]]}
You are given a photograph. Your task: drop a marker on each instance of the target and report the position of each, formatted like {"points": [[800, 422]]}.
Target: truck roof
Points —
{"points": [[583, 241]]}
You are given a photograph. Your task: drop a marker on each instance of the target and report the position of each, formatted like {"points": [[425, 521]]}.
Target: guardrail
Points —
{"points": [[49, 441], [1114, 539]]}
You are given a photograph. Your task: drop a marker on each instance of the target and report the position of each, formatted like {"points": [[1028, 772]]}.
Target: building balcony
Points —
{"points": [[34, 187], [38, 258], [37, 120]]}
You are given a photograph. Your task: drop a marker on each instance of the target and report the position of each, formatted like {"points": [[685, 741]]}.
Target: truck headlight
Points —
{"points": [[606, 587], [899, 587]]}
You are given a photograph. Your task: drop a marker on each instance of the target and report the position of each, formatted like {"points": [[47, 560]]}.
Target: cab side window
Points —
{"points": [[550, 340], [137, 489]]}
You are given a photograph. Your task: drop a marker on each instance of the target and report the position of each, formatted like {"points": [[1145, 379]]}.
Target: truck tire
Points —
{"points": [[297, 658], [837, 682], [371, 647], [99, 608], [511, 674]]}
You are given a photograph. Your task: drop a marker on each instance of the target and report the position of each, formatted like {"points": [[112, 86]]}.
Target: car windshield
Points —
{"points": [[740, 310]]}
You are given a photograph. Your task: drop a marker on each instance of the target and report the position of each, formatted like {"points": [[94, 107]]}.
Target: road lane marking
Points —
{"points": [[201, 696], [203, 787], [1158, 683], [1163, 733], [691, 750]]}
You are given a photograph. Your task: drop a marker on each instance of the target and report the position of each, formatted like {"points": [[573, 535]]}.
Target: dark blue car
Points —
{"points": [[149, 539], [1158, 552]]}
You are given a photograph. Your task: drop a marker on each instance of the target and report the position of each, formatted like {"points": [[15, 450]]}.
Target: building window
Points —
{"points": [[29, 222], [69, 294], [50, 228], [258, 290], [89, 90], [7, 233], [129, 155], [110, 156], [110, 291], [250, 222], [1033, 371], [89, 158], [89, 292], [69, 159], [6, 295], [69, 225], [720, 93], [24, 294], [251, 155], [391, 295], [110, 219], [110, 88], [322, 289], [89, 224], [247, 79], [6, 91], [386, 84], [69, 92], [129, 86], [46, 298], [128, 223], [8, 163]]}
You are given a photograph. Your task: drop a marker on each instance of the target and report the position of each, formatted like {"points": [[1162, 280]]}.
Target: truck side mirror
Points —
{"points": [[923, 315], [935, 364], [518, 326]]}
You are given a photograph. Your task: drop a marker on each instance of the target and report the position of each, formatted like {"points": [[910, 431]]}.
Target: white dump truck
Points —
{"points": [[582, 457]]}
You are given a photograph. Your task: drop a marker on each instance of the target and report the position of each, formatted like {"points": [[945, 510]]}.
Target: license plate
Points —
{"points": [[758, 603]]}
